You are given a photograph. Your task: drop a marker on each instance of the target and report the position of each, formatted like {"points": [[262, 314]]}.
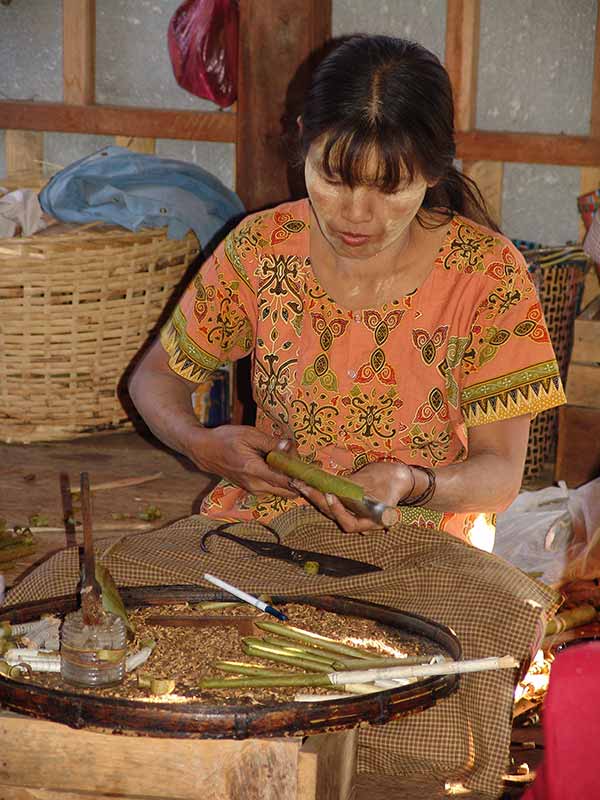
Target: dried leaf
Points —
{"points": [[159, 686], [38, 520], [150, 513], [111, 599]]}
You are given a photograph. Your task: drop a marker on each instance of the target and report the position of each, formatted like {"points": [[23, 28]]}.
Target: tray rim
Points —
{"points": [[199, 720]]}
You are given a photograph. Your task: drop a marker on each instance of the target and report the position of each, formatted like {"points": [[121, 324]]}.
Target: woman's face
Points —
{"points": [[363, 221]]}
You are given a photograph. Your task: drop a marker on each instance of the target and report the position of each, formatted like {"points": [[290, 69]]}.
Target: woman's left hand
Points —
{"points": [[388, 481]]}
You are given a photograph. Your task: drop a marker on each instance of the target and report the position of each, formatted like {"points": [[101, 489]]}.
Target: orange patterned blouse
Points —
{"points": [[400, 382]]}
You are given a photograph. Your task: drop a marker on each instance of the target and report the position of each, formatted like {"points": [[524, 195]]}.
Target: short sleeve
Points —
{"points": [[509, 367], [214, 322]]}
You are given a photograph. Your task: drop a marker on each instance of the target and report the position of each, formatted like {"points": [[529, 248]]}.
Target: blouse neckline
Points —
{"points": [[404, 299]]}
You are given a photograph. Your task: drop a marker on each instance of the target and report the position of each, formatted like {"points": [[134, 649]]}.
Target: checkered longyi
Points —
{"points": [[493, 607]]}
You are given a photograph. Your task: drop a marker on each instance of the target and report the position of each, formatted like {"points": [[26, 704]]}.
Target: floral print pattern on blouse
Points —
{"points": [[403, 381]]}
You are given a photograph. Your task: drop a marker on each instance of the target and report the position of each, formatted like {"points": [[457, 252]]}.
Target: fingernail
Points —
{"points": [[283, 444], [329, 499], [297, 485]]}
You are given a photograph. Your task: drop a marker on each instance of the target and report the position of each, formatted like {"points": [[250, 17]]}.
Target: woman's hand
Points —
{"points": [[383, 480], [237, 452]]}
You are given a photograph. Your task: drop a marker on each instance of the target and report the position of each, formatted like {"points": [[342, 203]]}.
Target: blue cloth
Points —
{"points": [[134, 190]]}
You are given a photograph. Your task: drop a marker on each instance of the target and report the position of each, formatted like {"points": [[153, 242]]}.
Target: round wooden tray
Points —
{"points": [[230, 722]]}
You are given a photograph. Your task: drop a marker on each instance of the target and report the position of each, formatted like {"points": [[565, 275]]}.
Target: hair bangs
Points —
{"points": [[368, 156]]}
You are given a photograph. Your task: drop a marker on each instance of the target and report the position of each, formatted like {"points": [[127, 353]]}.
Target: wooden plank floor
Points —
{"points": [[29, 484]]}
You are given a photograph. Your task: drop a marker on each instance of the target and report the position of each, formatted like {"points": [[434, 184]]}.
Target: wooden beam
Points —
{"points": [[285, 33], [529, 148], [208, 126], [79, 51], [24, 151], [462, 58]]}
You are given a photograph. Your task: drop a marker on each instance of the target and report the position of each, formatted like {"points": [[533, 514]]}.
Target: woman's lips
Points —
{"points": [[353, 239]]}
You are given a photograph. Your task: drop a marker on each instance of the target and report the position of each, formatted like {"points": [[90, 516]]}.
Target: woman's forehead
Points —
{"points": [[369, 166]]}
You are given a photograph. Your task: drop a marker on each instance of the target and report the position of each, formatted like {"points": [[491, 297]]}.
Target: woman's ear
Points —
{"points": [[300, 126]]}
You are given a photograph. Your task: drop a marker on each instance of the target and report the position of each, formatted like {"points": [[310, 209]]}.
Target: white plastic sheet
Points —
{"points": [[20, 210], [553, 532]]}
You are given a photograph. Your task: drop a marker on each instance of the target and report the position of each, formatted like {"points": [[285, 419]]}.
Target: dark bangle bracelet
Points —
{"points": [[426, 496]]}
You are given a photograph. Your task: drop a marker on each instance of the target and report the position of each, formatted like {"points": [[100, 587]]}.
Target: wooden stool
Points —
{"points": [[41, 760]]}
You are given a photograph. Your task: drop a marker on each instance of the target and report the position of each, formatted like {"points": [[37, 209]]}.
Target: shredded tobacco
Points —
{"points": [[185, 655]]}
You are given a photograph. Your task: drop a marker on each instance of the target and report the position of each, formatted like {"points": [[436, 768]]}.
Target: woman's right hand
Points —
{"points": [[237, 452]]}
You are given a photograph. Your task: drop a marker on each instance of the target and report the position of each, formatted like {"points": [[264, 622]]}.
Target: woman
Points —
{"points": [[395, 334]]}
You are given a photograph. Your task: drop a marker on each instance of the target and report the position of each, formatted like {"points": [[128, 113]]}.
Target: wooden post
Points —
{"points": [[79, 51], [462, 61], [278, 37], [24, 152], [327, 766], [137, 144], [488, 175]]}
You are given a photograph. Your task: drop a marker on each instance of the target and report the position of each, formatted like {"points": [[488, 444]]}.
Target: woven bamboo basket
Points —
{"points": [[558, 274], [77, 302]]}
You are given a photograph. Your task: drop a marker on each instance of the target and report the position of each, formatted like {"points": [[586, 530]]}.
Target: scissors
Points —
{"points": [[336, 566]]}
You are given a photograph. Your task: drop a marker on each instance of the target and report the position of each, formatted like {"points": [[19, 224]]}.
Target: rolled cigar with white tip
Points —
{"points": [[422, 670]]}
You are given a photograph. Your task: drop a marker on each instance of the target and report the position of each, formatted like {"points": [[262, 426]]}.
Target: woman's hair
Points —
{"points": [[391, 97]]}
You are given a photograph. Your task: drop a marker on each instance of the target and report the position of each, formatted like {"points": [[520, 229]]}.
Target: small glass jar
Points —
{"points": [[93, 655]]}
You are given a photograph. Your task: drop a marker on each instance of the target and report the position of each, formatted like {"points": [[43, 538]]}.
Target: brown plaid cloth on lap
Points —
{"points": [[494, 608]]}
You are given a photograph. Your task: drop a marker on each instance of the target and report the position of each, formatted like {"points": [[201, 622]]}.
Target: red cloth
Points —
{"points": [[571, 728]]}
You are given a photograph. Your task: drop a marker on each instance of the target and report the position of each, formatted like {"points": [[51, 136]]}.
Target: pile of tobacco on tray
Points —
{"points": [[186, 652]]}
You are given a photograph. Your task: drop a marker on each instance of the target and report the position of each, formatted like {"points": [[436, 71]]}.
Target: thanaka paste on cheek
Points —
{"points": [[383, 218]]}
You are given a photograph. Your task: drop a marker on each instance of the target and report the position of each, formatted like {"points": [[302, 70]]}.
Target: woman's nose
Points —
{"points": [[357, 206]]}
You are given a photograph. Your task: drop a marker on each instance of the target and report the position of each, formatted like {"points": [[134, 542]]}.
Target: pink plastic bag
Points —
{"points": [[203, 46]]}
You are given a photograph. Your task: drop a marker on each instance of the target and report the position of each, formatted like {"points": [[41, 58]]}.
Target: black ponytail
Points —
{"points": [[456, 193]]}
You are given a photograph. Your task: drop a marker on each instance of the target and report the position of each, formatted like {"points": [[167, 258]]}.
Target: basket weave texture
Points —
{"points": [[77, 302], [558, 274]]}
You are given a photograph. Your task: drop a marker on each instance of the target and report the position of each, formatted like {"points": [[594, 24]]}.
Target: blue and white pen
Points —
{"points": [[247, 598]]}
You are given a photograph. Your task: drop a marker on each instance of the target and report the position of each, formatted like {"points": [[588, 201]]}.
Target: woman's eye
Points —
{"points": [[332, 180], [397, 190]]}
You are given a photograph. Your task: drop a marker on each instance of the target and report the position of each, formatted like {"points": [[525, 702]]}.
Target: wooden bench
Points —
{"points": [[41, 760]]}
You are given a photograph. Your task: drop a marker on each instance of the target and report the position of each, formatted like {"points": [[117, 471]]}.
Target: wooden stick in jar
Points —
{"points": [[91, 594]]}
